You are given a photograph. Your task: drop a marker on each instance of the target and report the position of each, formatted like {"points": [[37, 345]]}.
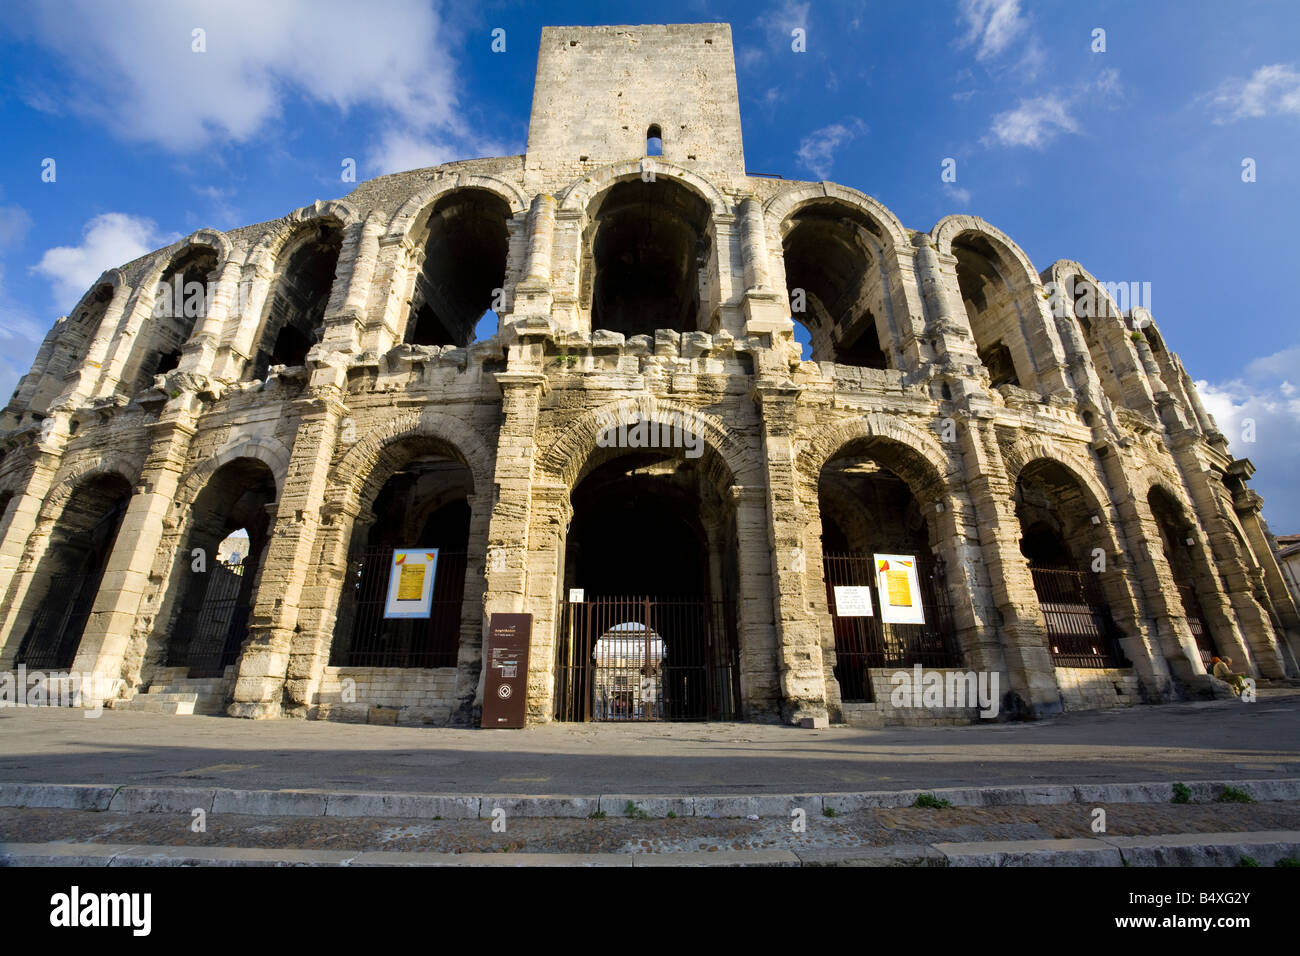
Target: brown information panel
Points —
{"points": [[505, 688]]}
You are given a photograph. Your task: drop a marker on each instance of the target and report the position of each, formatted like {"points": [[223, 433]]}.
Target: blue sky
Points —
{"points": [[1128, 160]]}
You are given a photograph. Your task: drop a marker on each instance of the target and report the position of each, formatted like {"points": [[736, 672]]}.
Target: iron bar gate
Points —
{"points": [[218, 626], [642, 658], [377, 641], [1080, 629], [53, 636], [866, 642], [1196, 624]]}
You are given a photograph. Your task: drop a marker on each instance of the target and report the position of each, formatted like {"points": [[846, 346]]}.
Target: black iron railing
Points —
{"points": [[55, 631], [641, 658], [1080, 629], [207, 639], [862, 643], [372, 640], [1196, 623]]}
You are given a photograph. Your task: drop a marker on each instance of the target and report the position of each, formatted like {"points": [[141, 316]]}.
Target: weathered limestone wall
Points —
{"points": [[1102, 401]]}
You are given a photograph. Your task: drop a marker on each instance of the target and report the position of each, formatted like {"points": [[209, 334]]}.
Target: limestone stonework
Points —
{"points": [[642, 425]]}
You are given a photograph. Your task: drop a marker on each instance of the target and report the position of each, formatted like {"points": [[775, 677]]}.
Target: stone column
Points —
{"points": [[755, 246], [18, 550], [512, 555], [800, 668], [1234, 567], [760, 684], [1024, 631], [108, 632], [274, 633]]}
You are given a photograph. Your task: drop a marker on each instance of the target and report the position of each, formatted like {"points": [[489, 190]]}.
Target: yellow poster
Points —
{"points": [[410, 582], [411, 585], [900, 588]]}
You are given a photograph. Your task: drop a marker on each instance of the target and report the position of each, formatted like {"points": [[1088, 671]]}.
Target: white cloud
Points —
{"points": [[992, 24], [958, 195], [1271, 90], [779, 21], [817, 150], [131, 65], [1261, 404], [398, 150], [14, 223], [1034, 122], [108, 240]]}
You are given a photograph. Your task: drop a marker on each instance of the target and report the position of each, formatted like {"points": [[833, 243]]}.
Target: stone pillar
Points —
{"points": [[108, 631], [755, 246], [541, 231], [760, 684], [1235, 568], [274, 633], [800, 667], [1170, 645], [1024, 631], [512, 555], [17, 556]]}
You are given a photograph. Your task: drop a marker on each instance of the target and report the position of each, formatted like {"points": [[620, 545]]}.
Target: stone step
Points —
{"points": [[162, 703]]}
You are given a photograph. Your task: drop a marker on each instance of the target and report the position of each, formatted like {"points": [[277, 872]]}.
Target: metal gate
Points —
{"points": [[52, 638], [219, 625], [643, 658], [1080, 629], [865, 642], [1196, 623]]}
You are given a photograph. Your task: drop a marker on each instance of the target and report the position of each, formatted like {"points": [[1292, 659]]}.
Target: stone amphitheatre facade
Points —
{"points": [[642, 428]]}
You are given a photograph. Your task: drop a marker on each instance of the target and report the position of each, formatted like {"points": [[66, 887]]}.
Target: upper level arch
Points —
{"points": [[1003, 301], [181, 294], [304, 273], [837, 278]]}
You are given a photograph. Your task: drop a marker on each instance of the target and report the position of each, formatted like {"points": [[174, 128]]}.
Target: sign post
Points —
{"points": [[506, 683]]}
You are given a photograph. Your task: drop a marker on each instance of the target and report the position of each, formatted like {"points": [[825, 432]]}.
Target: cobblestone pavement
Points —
{"points": [[877, 828], [1199, 740]]}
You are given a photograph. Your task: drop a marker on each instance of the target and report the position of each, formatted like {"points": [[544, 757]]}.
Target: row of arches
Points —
{"points": [[648, 259], [656, 545]]}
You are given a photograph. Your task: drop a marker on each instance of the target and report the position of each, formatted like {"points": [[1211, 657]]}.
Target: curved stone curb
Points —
{"points": [[425, 806], [1178, 849]]}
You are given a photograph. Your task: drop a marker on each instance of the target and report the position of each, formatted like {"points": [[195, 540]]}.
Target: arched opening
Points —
{"points": [[833, 276], [218, 568], [1177, 540], [1093, 311], [72, 346], [181, 299], [422, 507], [1062, 542], [291, 324], [885, 589], [652, 634], [464, 268], [989, 295], [654, 140], [67, 578], [645, 251]]}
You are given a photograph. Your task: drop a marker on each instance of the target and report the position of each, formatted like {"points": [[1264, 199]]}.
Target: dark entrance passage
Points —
{"points": [[1059, 540], [868, 508], [653, 635], [69, 575], [422, 504], [230, 525], [1174, 539], [637, 658]]}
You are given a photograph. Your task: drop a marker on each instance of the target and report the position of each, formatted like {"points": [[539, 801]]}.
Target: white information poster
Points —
{"points": [[852, 601], [899, 589], [410, 582]]}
